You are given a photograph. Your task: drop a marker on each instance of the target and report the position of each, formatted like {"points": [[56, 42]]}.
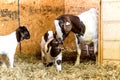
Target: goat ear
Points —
{"points": [[19, 35]]}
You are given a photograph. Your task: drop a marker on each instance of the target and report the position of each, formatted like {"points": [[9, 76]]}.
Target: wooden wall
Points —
{"points": [[110, 30], [38, 15]]}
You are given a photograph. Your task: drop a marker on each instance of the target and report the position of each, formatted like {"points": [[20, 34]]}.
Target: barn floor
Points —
{"points": [[30, 68]]}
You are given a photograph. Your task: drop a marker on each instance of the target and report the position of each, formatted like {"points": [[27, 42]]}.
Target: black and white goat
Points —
{"points": [[84, 26], [51, 50], [8, 43]]}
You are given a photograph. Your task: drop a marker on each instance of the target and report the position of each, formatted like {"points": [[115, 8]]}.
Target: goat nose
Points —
{"points": [[61, 42], [49, 64], [57, 44], [59, 39], [45, 63]]}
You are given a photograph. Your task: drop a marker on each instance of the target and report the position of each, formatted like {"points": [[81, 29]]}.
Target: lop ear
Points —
{"points": [[19, 34]]}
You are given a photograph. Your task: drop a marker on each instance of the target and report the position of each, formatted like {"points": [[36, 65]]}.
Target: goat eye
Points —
{"points": [[62, 25]]}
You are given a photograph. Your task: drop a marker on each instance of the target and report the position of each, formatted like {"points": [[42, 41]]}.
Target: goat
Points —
{"points": [[8, 43], [51, 50], [84, 26]]}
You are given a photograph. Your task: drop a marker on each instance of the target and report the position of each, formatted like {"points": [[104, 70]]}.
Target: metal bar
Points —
{"points": [[19, 22]]}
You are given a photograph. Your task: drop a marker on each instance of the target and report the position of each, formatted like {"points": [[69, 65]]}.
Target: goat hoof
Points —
{"points": [[76, 64]]}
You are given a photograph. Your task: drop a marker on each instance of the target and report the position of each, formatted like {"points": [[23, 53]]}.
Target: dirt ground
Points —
{"points": [[31, 68]]}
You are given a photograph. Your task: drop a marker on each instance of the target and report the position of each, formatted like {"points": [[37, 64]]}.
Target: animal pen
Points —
{"points": [[38, 16]]}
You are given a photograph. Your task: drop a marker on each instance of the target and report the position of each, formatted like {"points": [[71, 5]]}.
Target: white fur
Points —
{"points": [[67, 23], [87, 48], [58, 29], [89, 18], [59, 57], [50, 34], [43, 42], [8, 46], [78, 51]]}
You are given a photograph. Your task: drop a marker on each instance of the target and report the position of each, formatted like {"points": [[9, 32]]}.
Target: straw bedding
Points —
{"points": [[30, 67]]}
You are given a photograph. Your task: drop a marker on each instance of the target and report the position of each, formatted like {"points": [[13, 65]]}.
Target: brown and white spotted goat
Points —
{"points": [[84, 26], [51, 50]]}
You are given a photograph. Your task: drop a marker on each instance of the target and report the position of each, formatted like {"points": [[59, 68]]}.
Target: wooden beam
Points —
{"points": [[100, 40]]}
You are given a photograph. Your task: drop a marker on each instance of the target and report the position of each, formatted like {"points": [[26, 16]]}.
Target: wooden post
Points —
{"points": [[100, 42]]}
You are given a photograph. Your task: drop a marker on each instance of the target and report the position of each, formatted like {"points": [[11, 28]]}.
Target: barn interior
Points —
{"points": [[38, 16]]}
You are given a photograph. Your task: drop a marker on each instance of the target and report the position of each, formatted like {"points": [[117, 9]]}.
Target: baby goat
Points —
{"points": [[8, 43], [51, 50]]}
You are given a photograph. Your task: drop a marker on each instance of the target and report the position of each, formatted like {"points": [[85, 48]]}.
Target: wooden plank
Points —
{"points": [[100, 47], [108, 61], [111, 50], [78, 6], [111, 31], [111, 10]]}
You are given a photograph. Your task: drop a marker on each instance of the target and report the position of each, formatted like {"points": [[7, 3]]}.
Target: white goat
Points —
{"points": [[8, 43]]}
